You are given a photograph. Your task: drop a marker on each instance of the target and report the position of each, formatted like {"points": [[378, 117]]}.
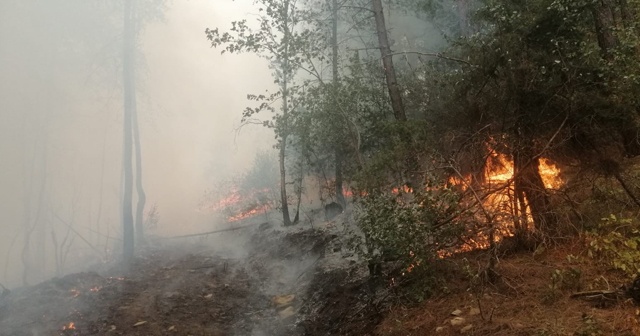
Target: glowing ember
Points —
{"points": [[70, 326]]}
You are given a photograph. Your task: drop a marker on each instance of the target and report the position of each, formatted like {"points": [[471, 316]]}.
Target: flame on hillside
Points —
{"points": [[498, 198], [238, 206]]}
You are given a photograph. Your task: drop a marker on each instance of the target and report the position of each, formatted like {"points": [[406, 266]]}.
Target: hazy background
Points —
{"points": [[61, 123]]}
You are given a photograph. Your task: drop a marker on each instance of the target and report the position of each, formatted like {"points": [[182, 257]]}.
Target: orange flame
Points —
{"points": [[499, 169], [233, 204], [250, 213], [70, 326]]}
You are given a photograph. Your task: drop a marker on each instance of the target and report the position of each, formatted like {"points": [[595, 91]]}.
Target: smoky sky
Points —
{"points": [[61, 120]]}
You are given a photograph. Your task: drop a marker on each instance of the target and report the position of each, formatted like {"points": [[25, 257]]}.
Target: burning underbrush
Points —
{"points": [[237, 205], [495, 204], [412, 229]]}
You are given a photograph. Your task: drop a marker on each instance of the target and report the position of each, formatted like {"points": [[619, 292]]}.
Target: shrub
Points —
{"points": [[615, 243]]}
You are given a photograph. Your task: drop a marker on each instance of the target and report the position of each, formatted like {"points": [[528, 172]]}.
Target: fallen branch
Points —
{"points": [[601, 298], [211, 232]]}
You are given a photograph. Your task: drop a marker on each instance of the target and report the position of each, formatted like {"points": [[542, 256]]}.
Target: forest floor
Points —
{"points": [[260, 281], [302, 281], [531, 297]]}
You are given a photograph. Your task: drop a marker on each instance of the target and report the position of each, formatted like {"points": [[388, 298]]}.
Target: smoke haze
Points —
{"points": [[61, 123]]}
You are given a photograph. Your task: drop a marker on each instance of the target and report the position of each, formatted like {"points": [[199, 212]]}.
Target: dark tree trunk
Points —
{"points": [[528, 183], [604, 19], [387, 61], [128, 80], [283, 185]]}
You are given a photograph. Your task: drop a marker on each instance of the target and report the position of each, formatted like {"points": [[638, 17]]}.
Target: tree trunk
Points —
{"points": [[334, 68], [283, 185], [339, 180], [387, 61], [128, 82], [528, 183], [285, 119], [296, 218], [603, 15], [142, 196]]}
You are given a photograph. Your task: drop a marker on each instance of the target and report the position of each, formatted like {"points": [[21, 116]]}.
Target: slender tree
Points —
{"points": [[142, 197], [129, 108], [280, 40]]}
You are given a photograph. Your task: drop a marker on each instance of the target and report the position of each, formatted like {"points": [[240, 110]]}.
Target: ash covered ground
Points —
{"points": [[258, 280]]}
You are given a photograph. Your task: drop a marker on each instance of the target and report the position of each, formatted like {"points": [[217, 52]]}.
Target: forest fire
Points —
{"points": [[70, 326], [249, 213], [241, 205], [501, 208]]}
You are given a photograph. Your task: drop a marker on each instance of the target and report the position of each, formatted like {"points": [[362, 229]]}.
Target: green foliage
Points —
{"points": [[408, 228], [615, 243]]}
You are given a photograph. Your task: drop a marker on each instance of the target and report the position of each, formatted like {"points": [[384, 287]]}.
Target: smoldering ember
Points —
{"points": [[333, 167]]}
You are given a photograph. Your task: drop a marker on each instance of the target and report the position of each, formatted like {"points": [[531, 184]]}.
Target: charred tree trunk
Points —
{"points": [[387, 62], [129, 103]]}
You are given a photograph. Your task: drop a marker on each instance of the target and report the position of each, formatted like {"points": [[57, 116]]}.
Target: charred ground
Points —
{"points": [[284, 283]]}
